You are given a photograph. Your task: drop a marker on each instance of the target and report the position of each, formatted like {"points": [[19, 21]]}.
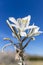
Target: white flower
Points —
{"points": [[34, 32], [22, 24]]}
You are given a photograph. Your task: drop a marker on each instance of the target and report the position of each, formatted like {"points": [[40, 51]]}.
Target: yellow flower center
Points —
{"points": [[24, 21]]}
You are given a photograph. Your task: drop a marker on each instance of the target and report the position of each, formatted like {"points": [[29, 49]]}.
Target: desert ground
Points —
{"points": [[27, 63], [8, 59]]}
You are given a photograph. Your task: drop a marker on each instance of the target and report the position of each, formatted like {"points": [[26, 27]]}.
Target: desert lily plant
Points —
{"points": [[21, 30]]}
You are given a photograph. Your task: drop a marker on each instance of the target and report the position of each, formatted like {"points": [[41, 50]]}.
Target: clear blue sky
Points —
{"points": [[22, 8]]}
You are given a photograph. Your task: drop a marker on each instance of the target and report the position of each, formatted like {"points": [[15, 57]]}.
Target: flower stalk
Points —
{"points": [[18, 28]]}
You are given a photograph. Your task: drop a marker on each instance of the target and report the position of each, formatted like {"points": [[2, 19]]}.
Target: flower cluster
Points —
{"points": [[23, 24]]}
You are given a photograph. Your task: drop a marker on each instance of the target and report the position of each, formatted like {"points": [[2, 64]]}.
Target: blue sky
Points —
{"points": [[22, 8]]}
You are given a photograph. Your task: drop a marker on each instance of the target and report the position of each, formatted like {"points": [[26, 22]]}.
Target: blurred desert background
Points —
{"points": [[8, 58]]}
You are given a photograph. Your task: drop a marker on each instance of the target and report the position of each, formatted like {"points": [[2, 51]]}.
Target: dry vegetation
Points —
{"points": [[8, 59]]}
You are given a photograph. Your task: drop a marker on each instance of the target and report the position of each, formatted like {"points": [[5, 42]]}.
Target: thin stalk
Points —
{"points": [[24, 39], [6, 46], [27, 43], [8, 39]]}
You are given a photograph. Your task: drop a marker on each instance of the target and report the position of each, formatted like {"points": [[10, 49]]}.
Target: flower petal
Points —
{"points": [[23, 34], [34, 32], [10, 25], [28, 22], [12, 19], [30, 27], [27, 19], [14, 25], [37, 33]]}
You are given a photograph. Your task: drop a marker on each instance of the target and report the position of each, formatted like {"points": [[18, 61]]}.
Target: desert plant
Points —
{"points": [[21, 30]]}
